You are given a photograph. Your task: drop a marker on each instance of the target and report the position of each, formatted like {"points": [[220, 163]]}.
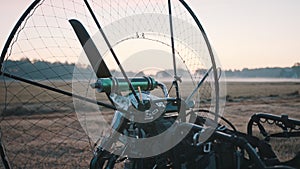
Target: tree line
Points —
{"points": [[269, 72], [56, 70]]}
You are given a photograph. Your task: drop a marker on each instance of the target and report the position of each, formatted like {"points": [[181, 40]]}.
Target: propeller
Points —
{"points": [[95, 58]]}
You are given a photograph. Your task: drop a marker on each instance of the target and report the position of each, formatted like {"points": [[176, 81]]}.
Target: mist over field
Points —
{"points": [[64, 71]]}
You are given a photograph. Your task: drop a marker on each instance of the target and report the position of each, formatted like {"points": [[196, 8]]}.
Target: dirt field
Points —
{"points": [[30, 136], [245, 99]]}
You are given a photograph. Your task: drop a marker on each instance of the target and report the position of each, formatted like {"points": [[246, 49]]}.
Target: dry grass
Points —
{"points": [[244, 99], [261, 89]]}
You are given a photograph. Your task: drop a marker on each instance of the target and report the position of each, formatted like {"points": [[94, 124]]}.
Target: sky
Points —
{"points": [[244, 33]]}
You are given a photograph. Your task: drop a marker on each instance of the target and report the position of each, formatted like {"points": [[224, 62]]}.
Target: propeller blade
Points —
{"points": [[95, 58]]}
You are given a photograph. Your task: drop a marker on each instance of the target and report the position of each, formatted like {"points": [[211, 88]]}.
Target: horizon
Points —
{"points": [[297, 64], [138, 70]]}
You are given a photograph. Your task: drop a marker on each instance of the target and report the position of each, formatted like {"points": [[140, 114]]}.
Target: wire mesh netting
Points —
{"points": [[39, 126]]}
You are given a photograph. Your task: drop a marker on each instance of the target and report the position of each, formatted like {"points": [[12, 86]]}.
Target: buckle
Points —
{"points": [[207, 147]]}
